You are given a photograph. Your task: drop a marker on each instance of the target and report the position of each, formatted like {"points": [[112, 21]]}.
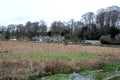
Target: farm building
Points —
{"points": [[91, 42]]}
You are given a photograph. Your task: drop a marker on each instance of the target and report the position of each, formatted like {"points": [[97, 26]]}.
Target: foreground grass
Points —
{"points": [[110, 71], [51, 62], [115, 78], [22, 59], [43, 55]]}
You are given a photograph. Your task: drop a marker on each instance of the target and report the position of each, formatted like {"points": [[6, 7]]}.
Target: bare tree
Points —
{"points": [[108, 17], [43, 26], [88, 18]]}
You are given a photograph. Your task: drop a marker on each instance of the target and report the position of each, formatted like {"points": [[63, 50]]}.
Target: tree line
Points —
{"points": [[104, 26]]}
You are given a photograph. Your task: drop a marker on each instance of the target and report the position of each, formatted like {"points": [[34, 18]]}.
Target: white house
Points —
{"points": [[13, 38], [56, 39], [91, 42]]}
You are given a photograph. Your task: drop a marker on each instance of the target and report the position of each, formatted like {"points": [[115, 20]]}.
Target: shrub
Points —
{"points": [[117, 37], [117, 42], [99, 75], [24, 38], [106, 39], [111, 66]]}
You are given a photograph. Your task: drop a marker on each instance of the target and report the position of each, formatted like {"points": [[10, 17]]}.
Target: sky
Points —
{"points": [[21, 11]]}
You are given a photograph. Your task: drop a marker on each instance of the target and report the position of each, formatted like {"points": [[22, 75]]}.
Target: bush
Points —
{"points": [[100, 75], [116, 42], [111, 66], [106, 39], [24, 38]]}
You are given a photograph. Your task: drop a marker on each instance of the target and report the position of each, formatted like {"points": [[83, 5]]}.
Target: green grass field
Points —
{"points": [[40, 55]]}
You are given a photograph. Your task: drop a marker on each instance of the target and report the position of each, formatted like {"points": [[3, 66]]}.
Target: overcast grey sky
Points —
{"points": [[21, 11]]}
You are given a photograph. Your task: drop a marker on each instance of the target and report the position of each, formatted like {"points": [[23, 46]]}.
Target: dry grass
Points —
{"points": [[22, 59], [15, 46]]}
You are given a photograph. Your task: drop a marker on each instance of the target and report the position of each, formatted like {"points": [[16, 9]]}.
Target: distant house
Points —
{"points": [[13, 39], [55, 39], [91, 42], [39, 40]]}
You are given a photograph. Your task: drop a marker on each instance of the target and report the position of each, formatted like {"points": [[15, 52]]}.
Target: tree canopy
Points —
{"points": [[91, 26]]}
